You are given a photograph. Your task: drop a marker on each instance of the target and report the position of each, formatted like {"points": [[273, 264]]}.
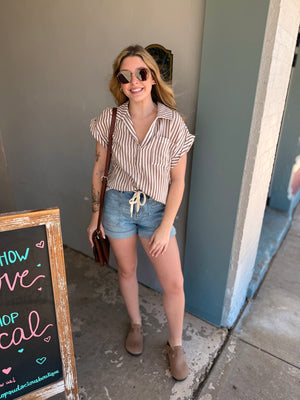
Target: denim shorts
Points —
{"points": [[118, 222]]}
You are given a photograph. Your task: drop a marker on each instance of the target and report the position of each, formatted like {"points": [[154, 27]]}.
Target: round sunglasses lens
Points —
{"points": [[124, 77], [142, 74]]}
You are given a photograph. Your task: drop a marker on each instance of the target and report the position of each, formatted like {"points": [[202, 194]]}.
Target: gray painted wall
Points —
{"points": [[232, 45], [56, 58]]}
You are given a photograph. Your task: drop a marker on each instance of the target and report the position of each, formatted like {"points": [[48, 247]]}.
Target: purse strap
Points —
{"points": [[108, 157]]}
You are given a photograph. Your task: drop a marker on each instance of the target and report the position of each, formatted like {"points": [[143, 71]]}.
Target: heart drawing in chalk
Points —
{"points": [[47, 339], [20, 350], [41, 360], [40, 245], [6, 371], [40, 288]]}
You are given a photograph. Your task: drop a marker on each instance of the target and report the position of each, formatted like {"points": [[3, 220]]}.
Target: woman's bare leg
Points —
{"points": [[168, 270], [125, 251]]}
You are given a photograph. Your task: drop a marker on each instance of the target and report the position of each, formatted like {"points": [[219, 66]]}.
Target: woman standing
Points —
{"points": [[144, 190]]}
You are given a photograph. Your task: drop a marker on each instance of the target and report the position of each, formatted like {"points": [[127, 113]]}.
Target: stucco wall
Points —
{"points": [[56, 58], [279, 45]]}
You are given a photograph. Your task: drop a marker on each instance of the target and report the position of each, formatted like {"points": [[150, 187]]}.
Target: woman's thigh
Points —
{"points": [[125, 251], [167, 266]]}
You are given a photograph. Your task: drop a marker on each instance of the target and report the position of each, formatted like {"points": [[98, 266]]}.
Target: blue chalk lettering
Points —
{"points": [[5, 258], [21, 257], [7, 319], [12, 256]]}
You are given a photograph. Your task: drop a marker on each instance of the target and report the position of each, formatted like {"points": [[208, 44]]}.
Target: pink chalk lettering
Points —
{"points": [[18, 335], [11, 381], [41, 244], [11, 285]]}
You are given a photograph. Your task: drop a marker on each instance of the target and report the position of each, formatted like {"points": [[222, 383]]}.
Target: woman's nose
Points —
{"points": [[134, 79]]}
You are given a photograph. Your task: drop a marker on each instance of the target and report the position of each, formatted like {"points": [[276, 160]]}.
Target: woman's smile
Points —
{"points": [[136, 90]]}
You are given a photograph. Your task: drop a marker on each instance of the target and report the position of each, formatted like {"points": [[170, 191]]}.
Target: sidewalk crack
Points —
{"points": [[267, 352]]}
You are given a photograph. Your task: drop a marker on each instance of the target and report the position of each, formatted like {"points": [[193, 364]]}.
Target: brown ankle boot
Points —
{"points": [[134, 340], [178, 365]]}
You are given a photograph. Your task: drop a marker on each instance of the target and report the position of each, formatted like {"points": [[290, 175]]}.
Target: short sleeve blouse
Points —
{"points": [[143, 166]]}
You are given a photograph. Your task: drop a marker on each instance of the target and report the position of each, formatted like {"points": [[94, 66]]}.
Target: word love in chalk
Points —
{"points": [[18, 334], [18, 278], [40, 245]]}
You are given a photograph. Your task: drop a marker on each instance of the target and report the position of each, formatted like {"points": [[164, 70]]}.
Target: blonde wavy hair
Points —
{"points": [[161, 91]]}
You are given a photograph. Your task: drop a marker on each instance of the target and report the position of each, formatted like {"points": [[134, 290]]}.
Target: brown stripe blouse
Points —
{"points": [[143, 166]]}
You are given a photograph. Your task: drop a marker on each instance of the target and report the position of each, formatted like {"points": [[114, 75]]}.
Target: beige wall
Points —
{"points": [[56, 58]]}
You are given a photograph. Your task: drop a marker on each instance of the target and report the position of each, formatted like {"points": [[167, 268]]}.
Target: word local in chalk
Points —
{"points": [[18, 334]]}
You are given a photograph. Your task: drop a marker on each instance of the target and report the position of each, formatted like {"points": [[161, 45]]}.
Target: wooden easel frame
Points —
{"points": [[51, 219]]}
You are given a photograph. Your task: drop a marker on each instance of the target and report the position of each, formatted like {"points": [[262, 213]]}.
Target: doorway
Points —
{"points": [[284, 191]]}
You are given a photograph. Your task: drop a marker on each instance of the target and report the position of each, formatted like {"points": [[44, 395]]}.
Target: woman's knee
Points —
{"points": [[174, 287], [127, 272]]}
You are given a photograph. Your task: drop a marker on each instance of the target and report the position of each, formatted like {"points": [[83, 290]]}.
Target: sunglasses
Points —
{"points": [[126, 76]]}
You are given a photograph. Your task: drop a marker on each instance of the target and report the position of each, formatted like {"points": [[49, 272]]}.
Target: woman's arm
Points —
{"points": [[160, 238], [98, 172]]}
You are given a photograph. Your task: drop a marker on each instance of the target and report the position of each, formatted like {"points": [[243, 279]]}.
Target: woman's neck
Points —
{"points": [[142, 109]]}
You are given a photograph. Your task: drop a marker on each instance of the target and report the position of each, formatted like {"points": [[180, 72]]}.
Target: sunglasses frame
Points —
{"points": [[137, 73]]}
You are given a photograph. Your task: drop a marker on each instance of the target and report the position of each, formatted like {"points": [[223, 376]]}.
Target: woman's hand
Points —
{"points": [[159, 241], [92, 227]]}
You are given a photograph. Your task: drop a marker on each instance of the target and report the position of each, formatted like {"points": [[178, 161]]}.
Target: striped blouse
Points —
{"points": [[143, 166]]}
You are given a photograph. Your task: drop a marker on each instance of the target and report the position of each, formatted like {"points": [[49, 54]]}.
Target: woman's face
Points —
{"points": [[136, 90]]}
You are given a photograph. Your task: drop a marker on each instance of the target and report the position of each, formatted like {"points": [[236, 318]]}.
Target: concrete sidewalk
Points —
{"points": [[257, 360], [261, 359], [99, 325]]}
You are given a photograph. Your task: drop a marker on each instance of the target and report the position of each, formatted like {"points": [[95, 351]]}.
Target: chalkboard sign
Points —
{"points": [[36, 349]]}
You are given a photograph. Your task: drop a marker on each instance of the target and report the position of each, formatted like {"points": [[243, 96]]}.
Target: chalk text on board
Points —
{"points": [[11, 256], [8, 319], [18, 335], [11, 285]]}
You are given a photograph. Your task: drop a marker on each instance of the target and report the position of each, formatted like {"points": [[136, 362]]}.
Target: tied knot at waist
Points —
{"points": [[136, 200]]}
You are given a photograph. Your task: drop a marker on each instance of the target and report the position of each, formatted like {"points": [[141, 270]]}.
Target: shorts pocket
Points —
{"points": [[156, 208], [111, 209]]}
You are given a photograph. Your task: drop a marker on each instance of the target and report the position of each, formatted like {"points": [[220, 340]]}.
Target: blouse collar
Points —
{"points": [[162, 111]]}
